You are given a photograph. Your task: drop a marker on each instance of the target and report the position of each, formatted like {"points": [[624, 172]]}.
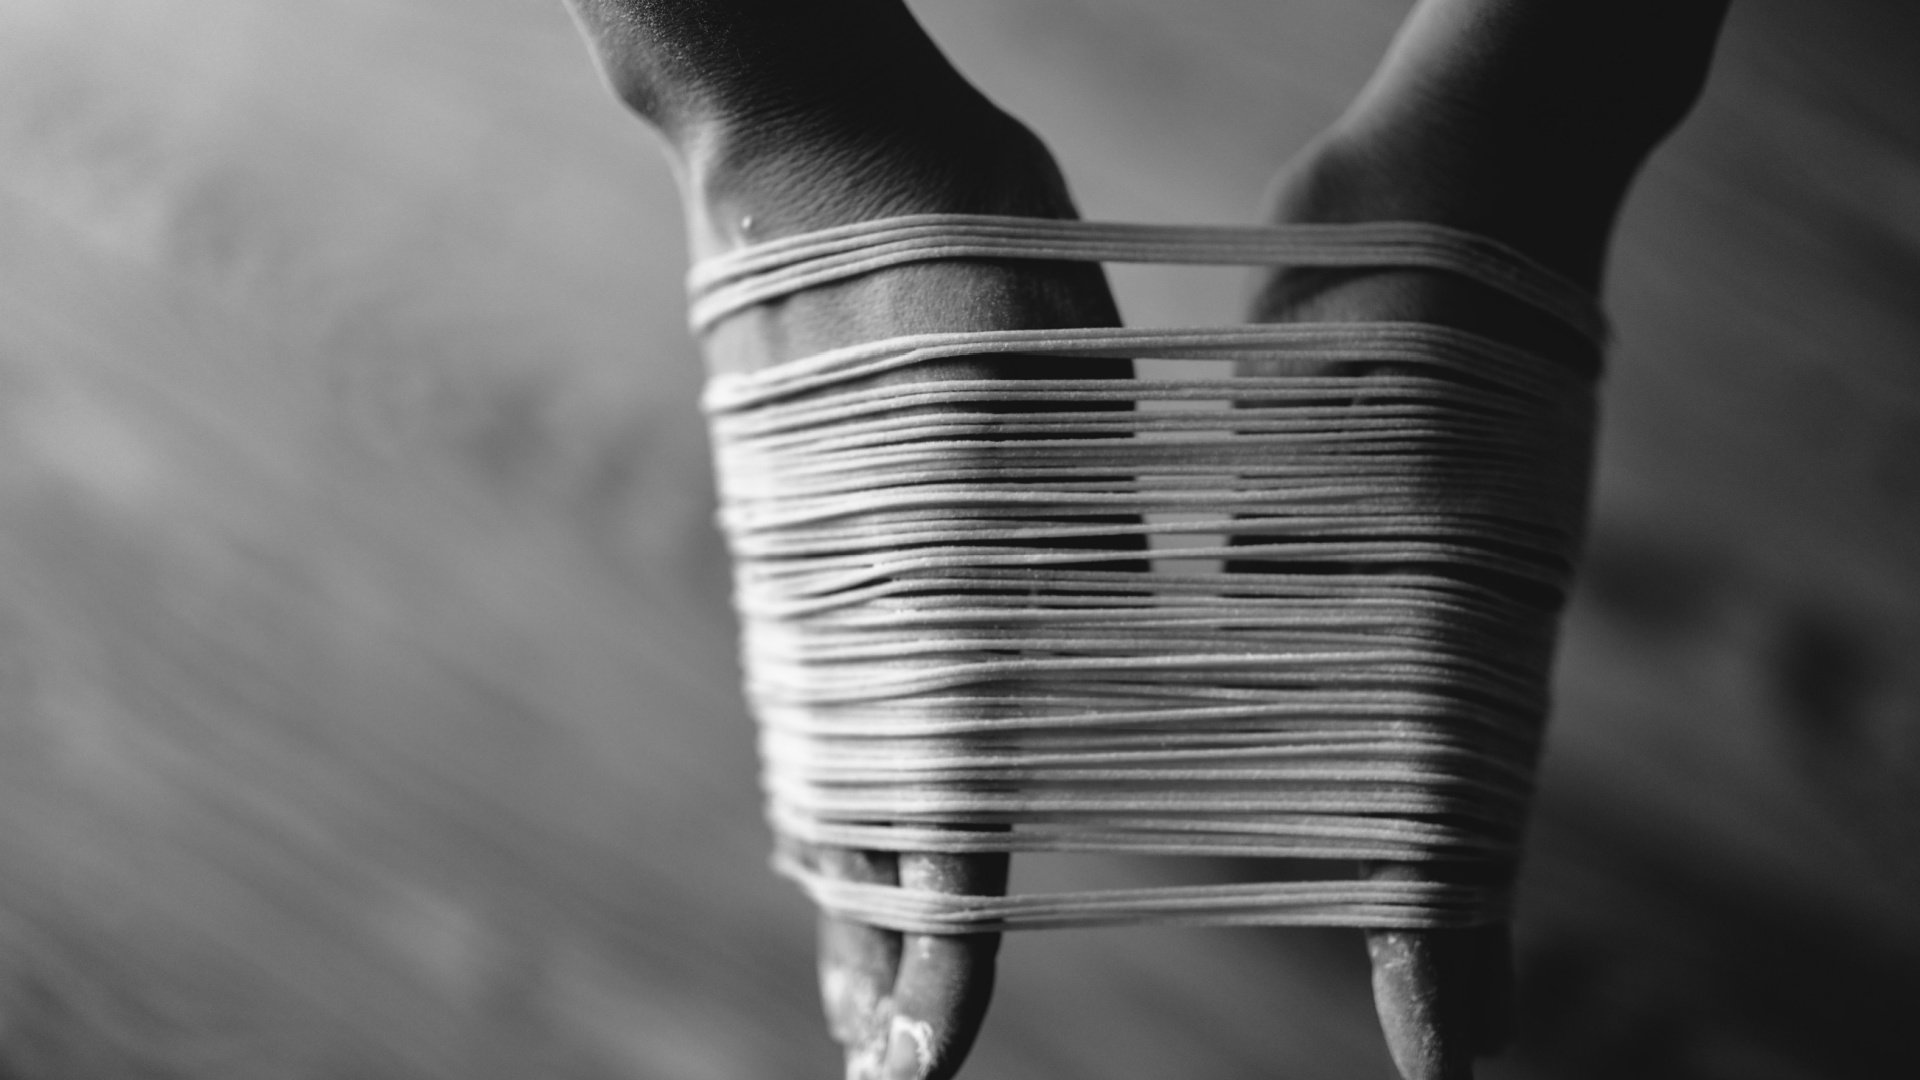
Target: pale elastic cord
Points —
{"points": [[1305, 615], [729, 283]]}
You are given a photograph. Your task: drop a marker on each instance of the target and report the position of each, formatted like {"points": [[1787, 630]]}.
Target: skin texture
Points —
{"points": [[1524, 120]]}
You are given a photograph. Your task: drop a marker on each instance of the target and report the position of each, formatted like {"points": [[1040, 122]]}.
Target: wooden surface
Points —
{"points": [[367, 703]]}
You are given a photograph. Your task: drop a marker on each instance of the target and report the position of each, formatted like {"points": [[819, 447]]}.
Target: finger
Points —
{"points": [[1444, 996], [857, 962], [1416, 991], [945, 981], [1425, 990]]}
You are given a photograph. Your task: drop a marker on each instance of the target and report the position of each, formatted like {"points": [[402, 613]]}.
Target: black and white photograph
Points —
{"points": [[959, 539]]}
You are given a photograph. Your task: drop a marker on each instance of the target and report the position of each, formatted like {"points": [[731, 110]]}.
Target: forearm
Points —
{"points": [[685, 65]]}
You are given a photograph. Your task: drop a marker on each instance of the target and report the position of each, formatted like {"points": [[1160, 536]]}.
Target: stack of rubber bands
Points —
{"points": [[1307, 614]]}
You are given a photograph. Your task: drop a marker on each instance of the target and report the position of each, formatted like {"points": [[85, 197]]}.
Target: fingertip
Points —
{"points": [[857, 963], [945, 983], [1410, 993], [940, 1000]]}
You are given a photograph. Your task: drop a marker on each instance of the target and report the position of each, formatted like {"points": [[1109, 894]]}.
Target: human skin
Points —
{"points": [[1523, 120]]}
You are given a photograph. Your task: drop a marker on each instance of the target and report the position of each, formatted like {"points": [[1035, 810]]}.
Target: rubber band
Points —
{"points": [[1306, 615], [729, 283]]}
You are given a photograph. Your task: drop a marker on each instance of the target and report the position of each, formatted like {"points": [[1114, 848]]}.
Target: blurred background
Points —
{"points": [[367, 694]]}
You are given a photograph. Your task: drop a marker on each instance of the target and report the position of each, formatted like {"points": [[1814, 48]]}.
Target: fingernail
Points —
{"points": [[910, 1052]]}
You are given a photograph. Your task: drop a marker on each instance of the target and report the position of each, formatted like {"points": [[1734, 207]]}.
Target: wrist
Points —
{"points": [[792, 166]]}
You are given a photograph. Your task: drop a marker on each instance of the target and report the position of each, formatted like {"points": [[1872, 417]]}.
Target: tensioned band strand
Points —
{"points": [[726, 284], [954, 640]]}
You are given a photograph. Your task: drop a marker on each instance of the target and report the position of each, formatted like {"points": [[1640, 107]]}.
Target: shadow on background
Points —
{"points": [[367, 698]]}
